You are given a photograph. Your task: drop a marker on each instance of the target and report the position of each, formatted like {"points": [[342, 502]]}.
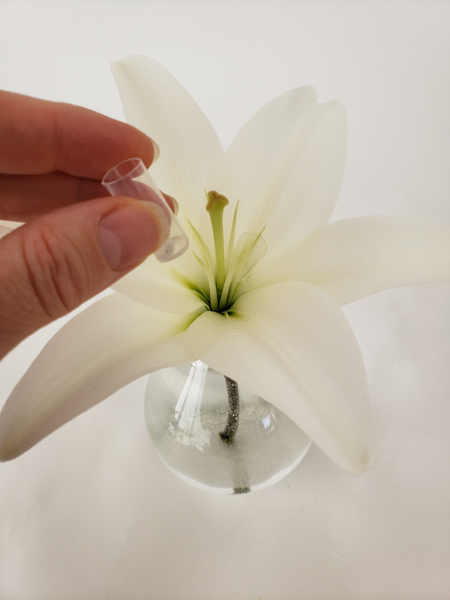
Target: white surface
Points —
{"points": [[91, 512]]}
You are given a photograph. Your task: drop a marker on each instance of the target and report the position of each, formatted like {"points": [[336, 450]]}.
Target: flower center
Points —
{"points": [[226, 270]]}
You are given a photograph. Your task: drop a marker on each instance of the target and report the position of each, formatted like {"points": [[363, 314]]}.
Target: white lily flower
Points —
{"points": [[261, 302]]}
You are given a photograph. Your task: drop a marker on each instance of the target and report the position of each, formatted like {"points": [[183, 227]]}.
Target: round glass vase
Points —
{"points": [[188, 413]]}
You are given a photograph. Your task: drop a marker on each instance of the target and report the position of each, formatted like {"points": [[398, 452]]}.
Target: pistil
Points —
{"points": [[215, 207]]}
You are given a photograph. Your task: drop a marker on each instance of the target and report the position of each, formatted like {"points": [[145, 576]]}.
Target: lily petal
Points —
{"points": [[154, 284], [290, 344], [158, 105], [353, 258], [108, 345], [8, 226], [286, 166]]}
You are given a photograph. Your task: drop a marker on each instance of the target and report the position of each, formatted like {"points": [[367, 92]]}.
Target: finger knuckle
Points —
{"points": [[55, 271]]}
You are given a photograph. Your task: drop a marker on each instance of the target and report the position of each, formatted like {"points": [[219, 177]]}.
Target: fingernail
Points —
{"points": [[156, 151], [128, 235]]}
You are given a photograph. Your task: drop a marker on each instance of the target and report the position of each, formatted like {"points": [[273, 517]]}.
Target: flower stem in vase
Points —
{"points": [[233, 410]]}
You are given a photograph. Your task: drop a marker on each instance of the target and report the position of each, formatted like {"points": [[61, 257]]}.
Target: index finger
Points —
{"points": [[39, 137]]}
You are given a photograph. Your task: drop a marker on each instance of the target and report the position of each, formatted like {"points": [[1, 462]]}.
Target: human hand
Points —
{"points": [[75, 242]]}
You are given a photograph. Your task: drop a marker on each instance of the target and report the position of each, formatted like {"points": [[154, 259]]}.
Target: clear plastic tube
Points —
{"points": [[131, 178]]}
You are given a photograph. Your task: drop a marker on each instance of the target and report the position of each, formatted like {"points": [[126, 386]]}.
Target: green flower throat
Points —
{"points": [[227, 269]]}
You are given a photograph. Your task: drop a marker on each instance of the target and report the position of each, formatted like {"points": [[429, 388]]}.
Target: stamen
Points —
{"points": [[213, 300], [249, 250], [245, 259], [231, 240], [203, 247]]}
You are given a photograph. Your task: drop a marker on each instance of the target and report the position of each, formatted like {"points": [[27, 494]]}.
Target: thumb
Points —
{"points": [[53, 264]]}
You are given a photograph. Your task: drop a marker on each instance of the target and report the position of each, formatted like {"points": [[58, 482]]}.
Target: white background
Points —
{"points": [[91, 512]]}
